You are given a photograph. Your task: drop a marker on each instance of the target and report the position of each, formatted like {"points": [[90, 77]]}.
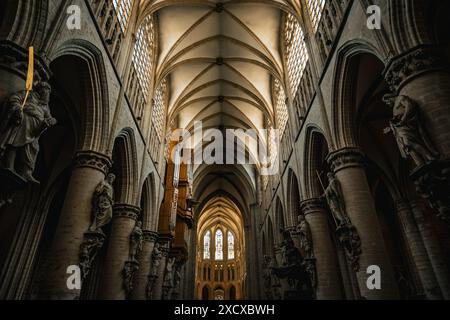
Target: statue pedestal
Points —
{"points": [[433, 183]]}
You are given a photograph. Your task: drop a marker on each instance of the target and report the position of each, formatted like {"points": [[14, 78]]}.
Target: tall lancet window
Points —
{"points": [[296, 53], [123, 10], [219, 245], [207, 246], [282, 115], [315, 8], [230, 246], [143, 53]]}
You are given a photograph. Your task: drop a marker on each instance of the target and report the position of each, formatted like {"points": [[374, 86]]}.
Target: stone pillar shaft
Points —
{"points": [[76, 217], [433, 249], [418, 252], [328, 282], [123, 222], [145, 261], [347, 165]]}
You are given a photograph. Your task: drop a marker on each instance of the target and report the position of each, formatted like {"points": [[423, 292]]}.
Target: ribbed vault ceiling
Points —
{"points": [[220, 58]]}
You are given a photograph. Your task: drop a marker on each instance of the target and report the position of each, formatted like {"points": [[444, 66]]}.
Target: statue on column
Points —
{"points": [[272, 284], [156, 261], [136, 240], [168, 278], [21, 126], [103, 202], [102, 207], [408, 129], [335, 200], [303, 231]]}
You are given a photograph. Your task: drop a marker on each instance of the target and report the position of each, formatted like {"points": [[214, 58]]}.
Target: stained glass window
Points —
{"points": [[315, 8], [123, 10], [230, 246], [296, 53], [207, 245], [219, 245], [143, 53]]}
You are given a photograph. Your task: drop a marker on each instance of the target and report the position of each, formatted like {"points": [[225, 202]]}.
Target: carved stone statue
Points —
{"points": [[156, 260], [136, 240], [304, 233], [408, 129], [102, 205], [267, 266], [335, 199], [89, 249], [168, 278], [21, 128], [129, 270]]}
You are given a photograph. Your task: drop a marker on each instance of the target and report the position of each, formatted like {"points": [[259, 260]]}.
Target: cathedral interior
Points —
{"points": [[322, 130]]}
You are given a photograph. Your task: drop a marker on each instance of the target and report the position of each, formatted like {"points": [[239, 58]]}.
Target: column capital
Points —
{"points": [[412, 63], [311, 206], [346, 158], [150, 236], [94, 160], [126, 211]]}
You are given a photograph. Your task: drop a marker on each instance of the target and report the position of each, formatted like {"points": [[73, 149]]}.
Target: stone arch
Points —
{"points": [[125, 167], [148, 204], [96, 113], [315, 161], [24, 21], [293, 198], [347, 71]]}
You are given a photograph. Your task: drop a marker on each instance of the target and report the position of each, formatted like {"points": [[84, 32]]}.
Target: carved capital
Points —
{"points": [[150, 236], [411, 64], [14, 58], [126, 211], [312, 205], [346, 158], [94, 160]]}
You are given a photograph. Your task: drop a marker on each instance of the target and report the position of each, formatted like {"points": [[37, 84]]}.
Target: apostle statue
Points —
{"points": [[21, 126], [136, 240], [103, 202], [156, 260], [335, 199], [303, 231], [407, 127]]}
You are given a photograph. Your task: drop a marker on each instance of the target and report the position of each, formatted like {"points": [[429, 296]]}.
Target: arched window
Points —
{"points": [[123, 11], [219, 245], [282, 115], [159, 109], [296, 53], [143, 54], [315, 8], [207, 245], [230, 246]]}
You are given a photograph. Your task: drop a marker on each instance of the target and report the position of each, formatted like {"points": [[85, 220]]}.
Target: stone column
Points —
{"points": [[433, 249], [89, 170], [348, 167], [145, 260], [123, 222], [328, 282], [418, 252]]}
